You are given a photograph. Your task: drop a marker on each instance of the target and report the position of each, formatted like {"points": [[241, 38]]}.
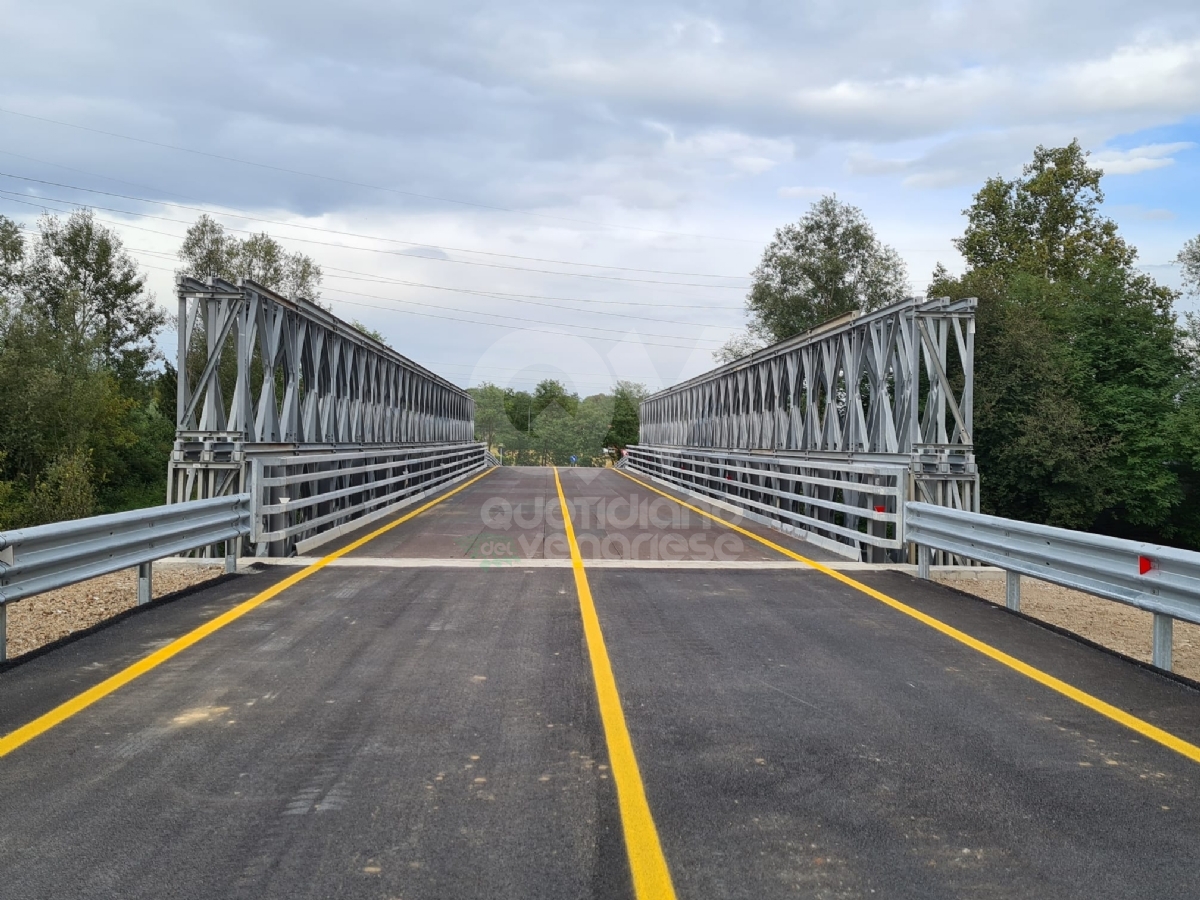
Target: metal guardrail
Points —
{"points": [[1162, 580], [302, 500], [826, 502], [47, 557]]}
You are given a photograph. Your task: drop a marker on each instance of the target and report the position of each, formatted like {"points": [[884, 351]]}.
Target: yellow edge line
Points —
{"points": [[1142, 727], [45, 722], [648, 866]]}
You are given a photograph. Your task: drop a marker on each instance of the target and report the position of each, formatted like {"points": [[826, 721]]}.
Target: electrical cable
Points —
{"points": [[23, 199], [461, 262], [490, 294], [477, 322], [236, 213], [376, 187]]}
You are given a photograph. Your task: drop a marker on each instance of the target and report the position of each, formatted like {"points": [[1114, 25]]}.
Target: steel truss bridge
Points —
{"points": [[830, 432], [324, 426]]}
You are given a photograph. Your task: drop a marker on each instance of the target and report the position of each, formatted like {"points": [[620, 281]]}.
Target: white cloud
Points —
{"points": [[755, 110], [1139, 159], [745, 153]]}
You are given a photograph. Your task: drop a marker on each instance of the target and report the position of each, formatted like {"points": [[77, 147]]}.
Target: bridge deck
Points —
{"points": [[431, 732]]}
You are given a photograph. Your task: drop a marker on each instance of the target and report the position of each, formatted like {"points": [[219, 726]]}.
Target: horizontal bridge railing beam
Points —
{"points": [[304, 500], [853, 510], [293, 505]]}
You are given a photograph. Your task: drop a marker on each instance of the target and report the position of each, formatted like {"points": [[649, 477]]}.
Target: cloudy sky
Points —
{"points": [[511, 191]]}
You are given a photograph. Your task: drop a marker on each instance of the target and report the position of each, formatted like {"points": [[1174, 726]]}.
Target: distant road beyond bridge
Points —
{"points": [[481, 698]]}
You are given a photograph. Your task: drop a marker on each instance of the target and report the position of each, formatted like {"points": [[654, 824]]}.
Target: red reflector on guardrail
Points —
{"points": [[1145, 564], [881, 509]]}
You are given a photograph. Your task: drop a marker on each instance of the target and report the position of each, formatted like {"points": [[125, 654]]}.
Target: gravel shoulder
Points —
{"points": [[45, 618], [37, 621], [1112, 625]]}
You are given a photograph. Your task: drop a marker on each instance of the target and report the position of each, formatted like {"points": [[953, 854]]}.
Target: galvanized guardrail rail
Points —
{"points": [[46, 557], [823, 501], [1162, 580], [302, 500]]}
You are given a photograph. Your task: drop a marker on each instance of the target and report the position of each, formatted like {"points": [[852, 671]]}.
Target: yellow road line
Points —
{"points": [[651, 878], [1142, 727], [45, 722]]}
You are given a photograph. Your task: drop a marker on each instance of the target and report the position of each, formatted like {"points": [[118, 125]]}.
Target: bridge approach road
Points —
{"points": [[483, 701]]}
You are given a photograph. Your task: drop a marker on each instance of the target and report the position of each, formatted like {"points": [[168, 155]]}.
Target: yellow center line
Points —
{"points": [[1142, 727], [651, 877], [61, 713]]}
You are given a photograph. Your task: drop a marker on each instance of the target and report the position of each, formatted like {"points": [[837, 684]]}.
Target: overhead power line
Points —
{"points": [[474, 312], [498, 297], [688, 346], [490, 294], [234, 213], [25, 200], [376, 187], [503, 295], [413, 312], [460, 262]]}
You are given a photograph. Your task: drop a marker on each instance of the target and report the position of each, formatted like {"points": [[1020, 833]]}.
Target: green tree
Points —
{"points": [[550, 392], [1080, 369], [828, 263], [80, 277], [58, 398], [80, 424], [209, 251], [369, 332], [492, 425], [1046, 222], [66, 491], [627, 401], [593, 423], [1189, 261], [12, 256], [544, 427]]}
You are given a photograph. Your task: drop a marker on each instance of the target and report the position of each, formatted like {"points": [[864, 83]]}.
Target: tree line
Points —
{"points": [[87, 396], [1087, 381], [550, 425]]}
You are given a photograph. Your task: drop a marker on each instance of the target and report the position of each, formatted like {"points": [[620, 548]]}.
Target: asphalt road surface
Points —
{"points": [[419, 719]]}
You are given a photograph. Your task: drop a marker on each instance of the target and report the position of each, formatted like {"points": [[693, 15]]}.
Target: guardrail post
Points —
{"points": [[923, 561], [1164, 627], [1012, 590], [3, 632], [145, 575], [230, 557]]}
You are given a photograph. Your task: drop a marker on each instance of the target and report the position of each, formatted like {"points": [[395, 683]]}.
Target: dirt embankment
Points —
{"points": [[1113, 625], [43, 619]]}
